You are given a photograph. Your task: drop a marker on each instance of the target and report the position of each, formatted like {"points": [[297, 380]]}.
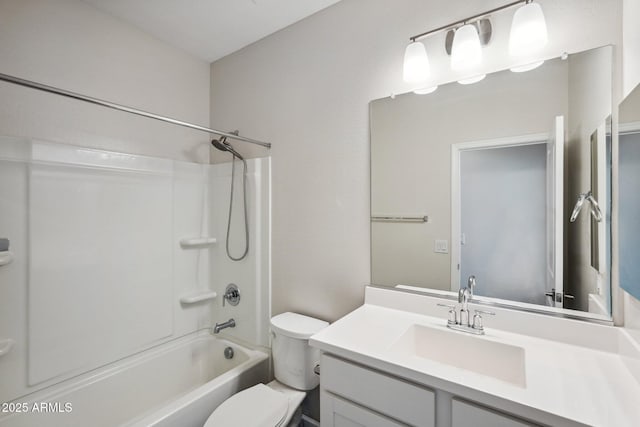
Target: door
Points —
{"points": [[554, 182], [503, 187]]}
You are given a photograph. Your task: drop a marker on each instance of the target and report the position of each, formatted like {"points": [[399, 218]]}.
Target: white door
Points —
{"points": [[555, 181]]}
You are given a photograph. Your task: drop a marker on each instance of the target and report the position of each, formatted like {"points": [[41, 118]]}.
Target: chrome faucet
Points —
{"points": [[224, 325], [462, 321], [471, 283]]}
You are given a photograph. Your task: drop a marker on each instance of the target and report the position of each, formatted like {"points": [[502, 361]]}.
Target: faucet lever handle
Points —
{"points": [[477, 319], [453, 316]]}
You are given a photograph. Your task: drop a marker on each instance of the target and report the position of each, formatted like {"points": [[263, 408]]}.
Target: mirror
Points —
{"points": [[482, 180], [628, 192]]}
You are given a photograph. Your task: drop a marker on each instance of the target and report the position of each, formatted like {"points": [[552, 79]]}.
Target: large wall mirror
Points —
{"points": [[507, 180]]}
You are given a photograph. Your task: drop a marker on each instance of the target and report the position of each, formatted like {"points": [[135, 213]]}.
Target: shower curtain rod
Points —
{"points": [[113, 105]]}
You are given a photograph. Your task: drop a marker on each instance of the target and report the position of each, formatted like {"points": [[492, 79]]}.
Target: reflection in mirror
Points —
{"points": [[629, 193], [496, 168]]}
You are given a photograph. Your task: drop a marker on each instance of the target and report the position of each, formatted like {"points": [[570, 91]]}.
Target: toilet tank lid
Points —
{"points": [[296, 325]]}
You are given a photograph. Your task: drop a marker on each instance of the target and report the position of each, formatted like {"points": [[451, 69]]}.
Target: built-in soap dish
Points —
{"points": [[198, 296], [197, 242]]}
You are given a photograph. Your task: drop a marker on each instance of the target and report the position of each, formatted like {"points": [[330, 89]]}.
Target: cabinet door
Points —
{"points": [[395, 398], [465, 414], [337, 412]]}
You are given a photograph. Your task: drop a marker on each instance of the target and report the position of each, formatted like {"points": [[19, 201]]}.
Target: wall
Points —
{"points": [[307, 88], [411, 138], [72, 45]]}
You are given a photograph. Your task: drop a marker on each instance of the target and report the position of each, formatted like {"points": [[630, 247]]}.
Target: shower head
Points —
{"points": [[222, 145]]}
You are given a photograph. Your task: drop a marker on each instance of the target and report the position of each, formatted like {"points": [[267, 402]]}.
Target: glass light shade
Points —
{"points": [[528, 31], [466, 51], [425, 90], [416, 63], [472, 80]]}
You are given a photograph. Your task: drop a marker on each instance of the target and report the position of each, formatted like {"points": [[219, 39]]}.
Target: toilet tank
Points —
{"points": [[293, 358]]}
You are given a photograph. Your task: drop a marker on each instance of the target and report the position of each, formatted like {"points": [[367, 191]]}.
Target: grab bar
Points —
{"points": [[391, 218]]}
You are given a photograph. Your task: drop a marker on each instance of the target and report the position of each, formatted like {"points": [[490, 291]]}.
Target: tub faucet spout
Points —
{"points": [[224, 325]]}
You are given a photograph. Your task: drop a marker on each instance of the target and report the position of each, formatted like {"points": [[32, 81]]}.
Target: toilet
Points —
{"points": [[277, 404]]}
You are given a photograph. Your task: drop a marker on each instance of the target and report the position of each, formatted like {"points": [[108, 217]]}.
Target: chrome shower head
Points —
{"points": [[222, 145]]}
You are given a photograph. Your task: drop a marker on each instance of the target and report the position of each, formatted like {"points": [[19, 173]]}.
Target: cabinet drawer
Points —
{"points": [[342, 413], [465, 414], [387, 395]]}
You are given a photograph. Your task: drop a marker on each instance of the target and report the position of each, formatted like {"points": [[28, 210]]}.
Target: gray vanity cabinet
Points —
{"points": [[353, 395]]}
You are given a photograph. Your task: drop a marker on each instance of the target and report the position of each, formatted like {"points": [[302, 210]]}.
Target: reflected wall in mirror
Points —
{"points": [[629, 193], [497, 168]]}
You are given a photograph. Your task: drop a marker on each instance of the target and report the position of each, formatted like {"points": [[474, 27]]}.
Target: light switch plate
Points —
{"points": [[441, 247]]}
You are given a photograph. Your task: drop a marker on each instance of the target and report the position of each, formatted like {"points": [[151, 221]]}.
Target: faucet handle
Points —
{"points": [[453, 316], [477, 319]]}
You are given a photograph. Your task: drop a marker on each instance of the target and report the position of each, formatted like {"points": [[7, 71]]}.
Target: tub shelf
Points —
{"points": [[197, 242], [198, 296]]}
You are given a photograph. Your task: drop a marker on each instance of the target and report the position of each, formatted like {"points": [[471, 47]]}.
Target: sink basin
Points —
{"points": [[465, 351]]}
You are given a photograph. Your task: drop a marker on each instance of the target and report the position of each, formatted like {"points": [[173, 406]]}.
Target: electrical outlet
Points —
{"points": [[441, 247]]}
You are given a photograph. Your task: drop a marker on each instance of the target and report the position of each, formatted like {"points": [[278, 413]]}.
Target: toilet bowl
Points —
{"points": [[277, 404]]}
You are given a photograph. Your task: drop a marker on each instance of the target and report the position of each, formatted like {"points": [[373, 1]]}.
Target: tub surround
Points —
{"points": [[575, 373]]}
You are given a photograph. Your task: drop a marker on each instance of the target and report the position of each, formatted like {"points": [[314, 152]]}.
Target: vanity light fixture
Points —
{"points": [[466, 51], [416, 63], [466, 37], [528, 31]]}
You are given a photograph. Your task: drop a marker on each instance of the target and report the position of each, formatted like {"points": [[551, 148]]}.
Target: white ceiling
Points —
{"points": [[211, 29]]}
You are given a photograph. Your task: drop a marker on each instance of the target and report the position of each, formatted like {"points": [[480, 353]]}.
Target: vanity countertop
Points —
{"points": [[565, 383]]}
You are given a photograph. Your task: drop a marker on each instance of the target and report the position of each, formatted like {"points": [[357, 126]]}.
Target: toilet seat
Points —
{"points": [[258, 406]]}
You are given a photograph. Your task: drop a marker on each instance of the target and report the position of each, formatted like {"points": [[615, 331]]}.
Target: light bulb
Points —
{"points": [[416, 63], [466, 51], [528, 31]]}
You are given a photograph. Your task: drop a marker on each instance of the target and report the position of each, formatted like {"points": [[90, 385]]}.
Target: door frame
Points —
{"points": [[456, 217]]}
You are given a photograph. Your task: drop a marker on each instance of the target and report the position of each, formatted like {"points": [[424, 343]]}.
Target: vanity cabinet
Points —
{"points": [[353, 395]]}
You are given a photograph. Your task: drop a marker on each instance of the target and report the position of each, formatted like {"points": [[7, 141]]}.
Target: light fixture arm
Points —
{"points": [[466, 20]]}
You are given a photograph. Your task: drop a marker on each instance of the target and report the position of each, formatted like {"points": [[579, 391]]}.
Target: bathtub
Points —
{"points": [[177, 384]]}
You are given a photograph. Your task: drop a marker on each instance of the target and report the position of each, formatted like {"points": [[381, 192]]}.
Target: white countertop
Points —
{"points": [[566, 384]]}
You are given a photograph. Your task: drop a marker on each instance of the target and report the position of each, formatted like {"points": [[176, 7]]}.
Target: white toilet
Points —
{"points": [[277, 404]]}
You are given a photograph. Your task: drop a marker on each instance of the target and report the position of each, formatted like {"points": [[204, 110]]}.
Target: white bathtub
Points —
{"points": [[177, 384]]}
